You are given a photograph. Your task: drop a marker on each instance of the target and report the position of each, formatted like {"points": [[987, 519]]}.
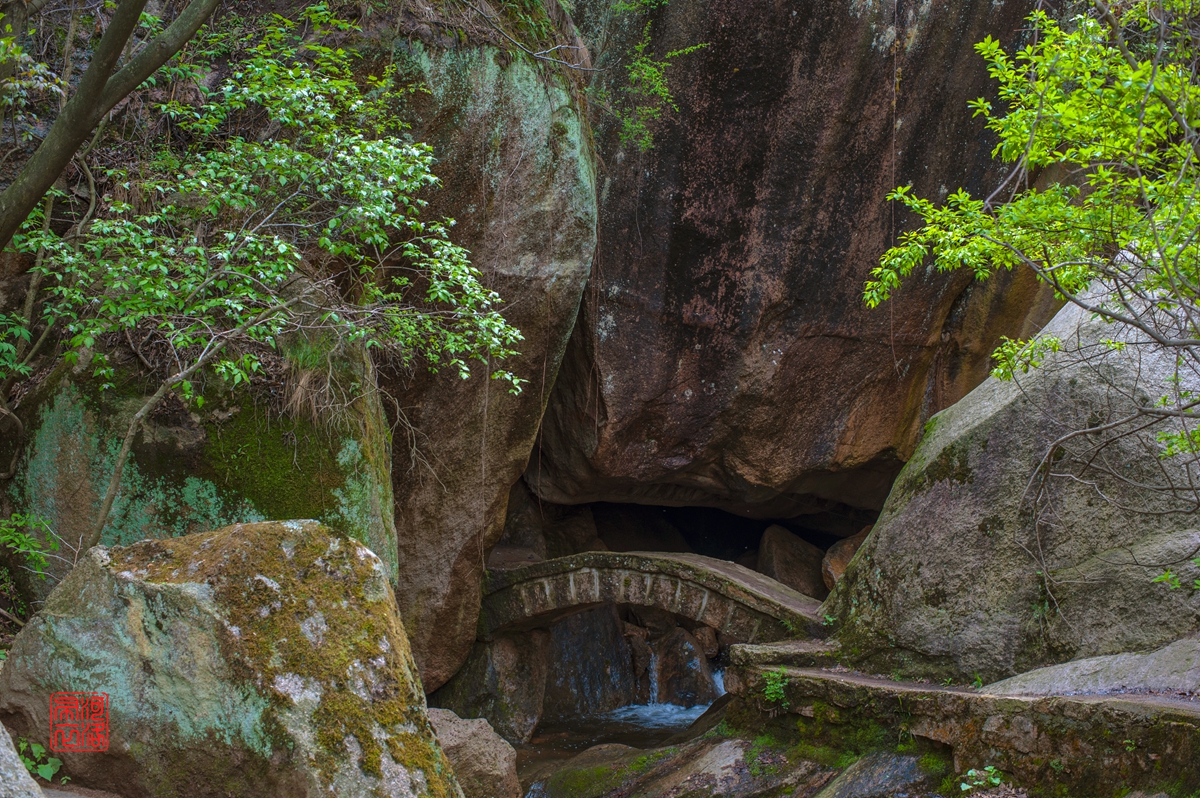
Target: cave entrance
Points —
{"points": [[790, 550]]}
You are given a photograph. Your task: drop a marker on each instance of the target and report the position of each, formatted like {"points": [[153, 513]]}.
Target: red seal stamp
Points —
{"points": [[79, 721]]}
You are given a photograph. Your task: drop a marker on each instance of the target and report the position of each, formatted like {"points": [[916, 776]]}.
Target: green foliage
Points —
{"points": [[981, 779], [1173, 581], [647, 95], [1100, 106], [29, 536], [933, 764], [31, 81], [291, 168], [37, 761], [775, 688], [1012, 356]]}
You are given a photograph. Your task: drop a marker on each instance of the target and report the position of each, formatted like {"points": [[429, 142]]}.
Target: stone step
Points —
{"points": [[1093, 745], [793, 653]]}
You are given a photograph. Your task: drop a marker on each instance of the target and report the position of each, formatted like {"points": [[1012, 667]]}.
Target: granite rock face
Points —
{"points": [[261, 659], [723, 356], [682, 673], [1172, 669], [485, 765], [957, 578], [791, 560], [517, 175], [15, 781]]}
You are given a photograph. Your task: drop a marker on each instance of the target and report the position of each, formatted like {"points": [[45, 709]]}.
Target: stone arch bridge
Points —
{"points": [[742, 604]]}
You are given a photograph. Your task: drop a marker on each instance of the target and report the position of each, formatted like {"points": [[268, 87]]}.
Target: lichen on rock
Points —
{"points": [[265, 658]]}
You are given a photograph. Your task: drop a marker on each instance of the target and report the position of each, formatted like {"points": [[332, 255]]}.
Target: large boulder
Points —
{"points": [[1008, 543], [789, 559], [15, 781], [485, 765], [591, 665], [518, 176], [503, 681], [261, 659], [723, 355], [833, 565], [682, 674]]}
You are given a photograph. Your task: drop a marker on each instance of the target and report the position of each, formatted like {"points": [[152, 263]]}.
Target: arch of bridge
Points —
{"points": [[743, 604]]}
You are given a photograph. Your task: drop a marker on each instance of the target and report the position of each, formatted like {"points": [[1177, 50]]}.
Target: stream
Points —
{"points": [[638, 725]]}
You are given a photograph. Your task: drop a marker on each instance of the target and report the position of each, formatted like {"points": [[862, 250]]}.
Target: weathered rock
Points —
{"points": [[194, 471], [485, 765], [950, 581], [517, 174], [591, 665], [683, 675], [1171, 669], [791, 560], [834, 563], [878, 776], [261, 659], [504, 557], [550, 530], [706, 636], [723, 356], [504, 681], [15, 781], [1104, 746], [731, 768]]}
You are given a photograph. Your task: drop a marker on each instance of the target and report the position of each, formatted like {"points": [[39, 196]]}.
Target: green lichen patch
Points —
{"points": [[310, 624]]}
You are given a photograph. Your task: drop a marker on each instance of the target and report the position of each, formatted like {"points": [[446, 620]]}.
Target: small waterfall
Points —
{"points": [[719, 681], [653, 672]]}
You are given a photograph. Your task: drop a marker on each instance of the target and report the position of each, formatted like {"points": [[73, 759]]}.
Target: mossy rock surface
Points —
{"points": [[260, 659], [193, 470]]}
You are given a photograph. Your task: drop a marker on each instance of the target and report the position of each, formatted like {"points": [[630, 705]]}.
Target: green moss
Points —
{"points": [[322, 623]]}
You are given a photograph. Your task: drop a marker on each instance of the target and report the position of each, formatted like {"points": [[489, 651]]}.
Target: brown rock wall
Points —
{"points": [[723, 355]]}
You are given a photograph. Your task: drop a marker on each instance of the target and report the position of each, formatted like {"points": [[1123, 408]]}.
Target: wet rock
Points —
{"points": [[723, 356], [791, 560], [878, 776], [706, 636], [261, 659], [591, 665], [526, 209], [485, 765], [15, 781], [950, 574], [657, 622], [504, 681], [834, 563], [1171, 669], [684, 676]]}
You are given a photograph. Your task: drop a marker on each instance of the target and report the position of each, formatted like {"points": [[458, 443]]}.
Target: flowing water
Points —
{"points": [[638, 725]]}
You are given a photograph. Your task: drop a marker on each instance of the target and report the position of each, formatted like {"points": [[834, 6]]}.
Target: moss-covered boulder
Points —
{"points": [[234, 460], [261, 659], [1007, 544]]}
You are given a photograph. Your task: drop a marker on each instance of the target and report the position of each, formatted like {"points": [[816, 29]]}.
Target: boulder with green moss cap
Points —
{"points": [[262, 659]]}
